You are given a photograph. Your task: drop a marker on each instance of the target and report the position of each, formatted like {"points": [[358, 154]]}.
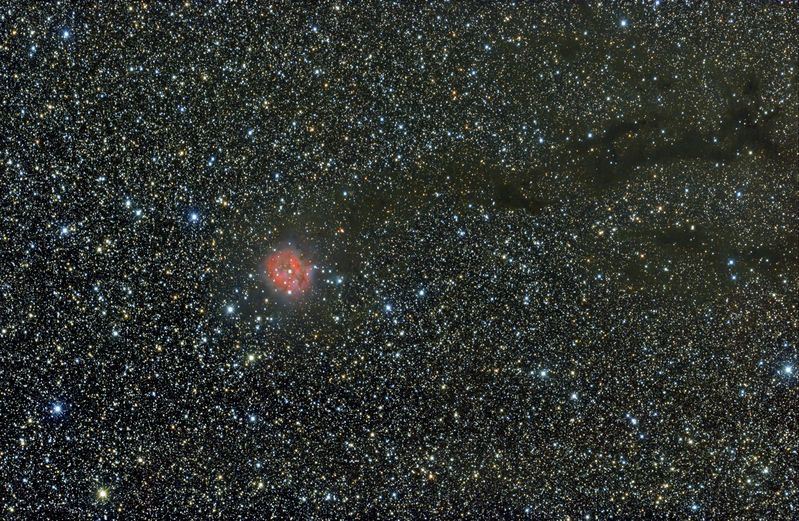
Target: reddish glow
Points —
{"points": [[289, 272]]}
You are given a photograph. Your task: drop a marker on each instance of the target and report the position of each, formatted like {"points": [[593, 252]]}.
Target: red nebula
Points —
{"points": [[289, 272]]}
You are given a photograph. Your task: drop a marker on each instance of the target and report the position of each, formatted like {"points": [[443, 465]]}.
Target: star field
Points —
{"points": [[526, 260]]}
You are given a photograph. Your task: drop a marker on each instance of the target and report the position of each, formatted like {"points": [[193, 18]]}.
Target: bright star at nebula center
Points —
{"points": [[289, 272]]}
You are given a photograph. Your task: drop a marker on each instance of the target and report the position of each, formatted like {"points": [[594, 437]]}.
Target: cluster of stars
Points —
{"points": [[399, 261]]}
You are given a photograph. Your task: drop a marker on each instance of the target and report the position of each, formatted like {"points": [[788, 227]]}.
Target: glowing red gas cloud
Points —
{"points": [[289, 272]]}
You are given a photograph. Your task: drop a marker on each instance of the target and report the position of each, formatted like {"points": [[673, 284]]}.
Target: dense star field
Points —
{"points": [[399, 260]]}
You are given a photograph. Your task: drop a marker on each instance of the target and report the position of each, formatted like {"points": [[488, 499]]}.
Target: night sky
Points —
{"points": [[399, 260]]}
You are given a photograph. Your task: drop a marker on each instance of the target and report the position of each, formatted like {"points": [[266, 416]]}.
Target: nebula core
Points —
{"points": [[289, 272]]}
